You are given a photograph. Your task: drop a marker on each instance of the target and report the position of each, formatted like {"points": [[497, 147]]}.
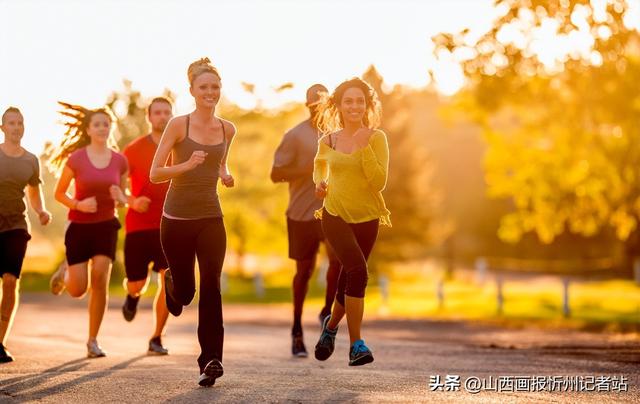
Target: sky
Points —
{"points": [[80, 51]]}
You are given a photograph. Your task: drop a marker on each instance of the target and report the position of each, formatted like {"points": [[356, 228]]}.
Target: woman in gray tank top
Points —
{"points": [[192, 223]]}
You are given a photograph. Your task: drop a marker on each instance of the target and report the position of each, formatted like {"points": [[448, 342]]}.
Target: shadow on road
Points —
{"points": [[233, 391], [14, 386]]}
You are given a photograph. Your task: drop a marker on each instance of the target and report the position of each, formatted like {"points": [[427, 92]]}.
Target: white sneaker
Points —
{"points": [[94, 350], [56, 283]]}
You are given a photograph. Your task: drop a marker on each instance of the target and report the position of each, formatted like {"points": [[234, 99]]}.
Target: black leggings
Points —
{"points": [[182, 241], [352, 243]]}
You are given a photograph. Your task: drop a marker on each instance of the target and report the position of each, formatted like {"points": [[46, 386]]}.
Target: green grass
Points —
{"points": [[605, 305]]}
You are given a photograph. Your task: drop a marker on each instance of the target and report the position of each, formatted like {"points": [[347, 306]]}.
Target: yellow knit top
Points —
{"points": [[354, 181]]}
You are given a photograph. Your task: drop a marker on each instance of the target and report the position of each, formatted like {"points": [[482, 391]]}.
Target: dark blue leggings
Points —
{"points": [[352, 243]]}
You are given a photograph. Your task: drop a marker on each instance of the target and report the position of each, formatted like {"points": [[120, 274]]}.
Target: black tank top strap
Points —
{"points": [[224, 133]]}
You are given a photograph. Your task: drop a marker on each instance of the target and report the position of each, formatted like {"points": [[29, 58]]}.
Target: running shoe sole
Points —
{"points": [[56, 283], [212, 371], [128, 314], [361, 360], [174, 307]]}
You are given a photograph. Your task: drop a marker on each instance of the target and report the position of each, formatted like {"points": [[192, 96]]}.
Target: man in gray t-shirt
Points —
{"points": [[19, 169], [293, 163]]}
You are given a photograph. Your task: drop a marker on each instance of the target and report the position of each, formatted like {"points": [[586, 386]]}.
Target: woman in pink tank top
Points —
{"points": [[87, 155]]}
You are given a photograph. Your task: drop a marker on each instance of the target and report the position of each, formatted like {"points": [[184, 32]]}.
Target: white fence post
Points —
{"points": [[323, 267], [258, 285], [383, 281], [481, 269], [499, 295], [566, 311], [224, 282]]}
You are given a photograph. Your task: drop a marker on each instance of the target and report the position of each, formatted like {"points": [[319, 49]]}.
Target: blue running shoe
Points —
{"points": [[359, 354]]}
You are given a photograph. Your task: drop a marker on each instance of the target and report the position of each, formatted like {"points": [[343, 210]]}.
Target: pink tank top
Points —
{"points": [[91, 181]]}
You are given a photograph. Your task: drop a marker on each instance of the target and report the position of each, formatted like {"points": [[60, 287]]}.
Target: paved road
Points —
{"points": [[49, 334]]}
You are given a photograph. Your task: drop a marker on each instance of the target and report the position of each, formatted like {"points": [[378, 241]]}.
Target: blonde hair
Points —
{"points": [[328, 118], [200, 66], [76, 135]]}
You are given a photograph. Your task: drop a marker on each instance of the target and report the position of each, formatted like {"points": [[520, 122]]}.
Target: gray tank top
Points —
{"points": [[193, 194]]}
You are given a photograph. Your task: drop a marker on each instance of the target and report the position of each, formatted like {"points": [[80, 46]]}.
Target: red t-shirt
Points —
{"points": [[91, 181], [140, 154]]}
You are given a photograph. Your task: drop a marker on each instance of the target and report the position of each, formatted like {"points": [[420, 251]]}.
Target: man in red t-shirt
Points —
{"points": [[142, 242]]}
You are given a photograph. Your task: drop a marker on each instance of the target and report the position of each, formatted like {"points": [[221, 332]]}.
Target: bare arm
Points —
{"points": [[62, 185], [34, 195], [284, 161], [321, 170], [88, 205], [225, 177], [160, 172], [289, 173], [118, 192]]}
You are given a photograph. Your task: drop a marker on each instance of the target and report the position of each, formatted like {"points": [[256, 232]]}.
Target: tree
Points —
{"points": [[255, 208], [130, 108], [560, 117], [409, 194]]}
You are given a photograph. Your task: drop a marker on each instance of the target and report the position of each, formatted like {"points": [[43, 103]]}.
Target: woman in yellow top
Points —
{"points": [[350, 172]]}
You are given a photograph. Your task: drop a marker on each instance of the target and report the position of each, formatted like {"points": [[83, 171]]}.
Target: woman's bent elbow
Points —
{"points": [[153, 177], [59, 197]]}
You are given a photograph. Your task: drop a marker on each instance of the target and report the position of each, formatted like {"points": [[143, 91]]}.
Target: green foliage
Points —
{"points": [[409, 193], [561, 129], [130, 108], [255, 208]]}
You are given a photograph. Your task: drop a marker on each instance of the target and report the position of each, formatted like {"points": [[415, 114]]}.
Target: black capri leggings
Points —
{"points": [[182, 241], [352, 243]]}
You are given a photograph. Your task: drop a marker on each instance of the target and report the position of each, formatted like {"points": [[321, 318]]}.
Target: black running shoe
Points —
{"points": [[360, 354], [211, 372], [327, 342], [130, 307], [323, 314], [5, 356], [174, 307], [297, 346], [156, 348]]}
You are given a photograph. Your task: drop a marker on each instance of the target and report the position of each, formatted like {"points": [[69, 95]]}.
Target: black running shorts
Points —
{"points": [[13, 246], [86, 240], [140, 249], [304, 238]]}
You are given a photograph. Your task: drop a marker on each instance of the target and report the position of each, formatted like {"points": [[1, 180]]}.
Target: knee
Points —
{"points": [[357, 279], [210, 285], [135, 287], [76, 290], [184, 297], [303, 271], [99, 281]]}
